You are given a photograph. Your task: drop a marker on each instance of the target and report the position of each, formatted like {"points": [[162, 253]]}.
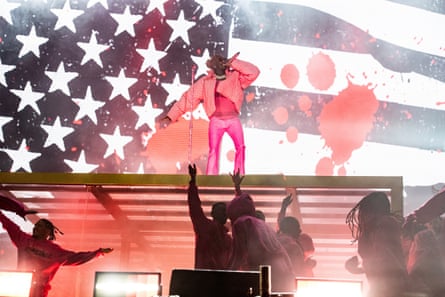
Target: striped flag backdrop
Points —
{"points": [[346, 87]]}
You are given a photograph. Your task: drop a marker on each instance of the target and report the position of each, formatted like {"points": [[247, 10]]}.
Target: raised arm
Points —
{"points": [[196, 211], [237, 180], [284, 204], [431, 209]]}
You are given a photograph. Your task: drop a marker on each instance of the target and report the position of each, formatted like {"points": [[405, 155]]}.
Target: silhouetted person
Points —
{"points": [[378, 234], [221, 92], [212, 240], [255, 243], [39, 254], [291, 227], [425, 258], [425, 265], [288, 234]]}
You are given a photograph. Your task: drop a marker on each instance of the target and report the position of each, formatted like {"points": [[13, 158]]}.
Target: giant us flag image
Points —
{"points": [[346, 87]]}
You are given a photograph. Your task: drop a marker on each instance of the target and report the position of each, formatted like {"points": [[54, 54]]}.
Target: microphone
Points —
{"points": [[229, 61]]}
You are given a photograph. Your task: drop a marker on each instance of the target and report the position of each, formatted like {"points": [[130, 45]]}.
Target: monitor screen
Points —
{"points": [[324, 287], [15, 283], [127, 284]]}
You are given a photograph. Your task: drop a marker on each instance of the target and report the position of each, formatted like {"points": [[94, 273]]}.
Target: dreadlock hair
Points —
{"points": [[53, 229], [362, 217]]}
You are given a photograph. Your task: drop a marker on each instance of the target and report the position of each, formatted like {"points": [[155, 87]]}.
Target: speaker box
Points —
{"points": [[213, 283]]}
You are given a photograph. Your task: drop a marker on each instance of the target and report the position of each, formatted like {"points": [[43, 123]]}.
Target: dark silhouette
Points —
{"points": [[378, 234], [255, 243], [212, 240], [289, 227], [39, 254]]}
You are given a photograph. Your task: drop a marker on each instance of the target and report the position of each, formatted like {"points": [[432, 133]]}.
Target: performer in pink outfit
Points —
{"points": [[37, 253], [221, 92]]}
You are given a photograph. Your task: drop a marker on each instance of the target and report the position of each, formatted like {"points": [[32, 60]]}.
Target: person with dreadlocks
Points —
{"points": [[378, 232], [39, 254]]}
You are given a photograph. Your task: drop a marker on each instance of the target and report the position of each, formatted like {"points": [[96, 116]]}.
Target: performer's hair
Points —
{"points": [[53, 229]]}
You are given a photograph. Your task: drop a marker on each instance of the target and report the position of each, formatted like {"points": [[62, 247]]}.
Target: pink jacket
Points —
{"points": [[241, 75]]}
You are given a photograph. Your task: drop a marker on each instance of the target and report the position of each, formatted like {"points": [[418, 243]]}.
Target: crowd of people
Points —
{"points": [[399, 256]]}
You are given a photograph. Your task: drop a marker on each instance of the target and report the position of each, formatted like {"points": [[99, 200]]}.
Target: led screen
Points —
{"points": [[126, 284], [346, 87]]}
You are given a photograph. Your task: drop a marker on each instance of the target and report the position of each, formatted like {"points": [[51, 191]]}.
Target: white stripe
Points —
{"points": [[268, 152], [361, 69], [402, 25]]}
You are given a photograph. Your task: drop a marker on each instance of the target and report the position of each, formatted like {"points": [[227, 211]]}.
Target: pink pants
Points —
{"points": [[217, 128]]}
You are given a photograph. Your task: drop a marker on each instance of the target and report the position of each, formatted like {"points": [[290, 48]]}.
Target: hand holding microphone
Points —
{"points": [[229, 61]]}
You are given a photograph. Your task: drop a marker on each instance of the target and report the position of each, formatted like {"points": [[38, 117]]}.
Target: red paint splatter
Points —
{"points": [[305, 105], [346, 121], [280, 115], [290, 75], [321, 71], [325, 167], [171, 144], [292, 134], [231, 155], [342, 171], [250, 96]]}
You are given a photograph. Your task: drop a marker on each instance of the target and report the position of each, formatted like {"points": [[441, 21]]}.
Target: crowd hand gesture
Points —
{"points": [[106, 250], [286, 201], [236, 177], [237, 180], [192, 173]]}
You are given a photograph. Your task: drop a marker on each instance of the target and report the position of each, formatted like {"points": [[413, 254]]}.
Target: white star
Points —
{"points": [[201, 62], [116, 143], [21, 157], [151, 56], [60, 79], [104, 3], [125, 21], [81, 166], [56, 134], [92, 50], [180, 28], [147, 114], [121, 84], [88, 106], [209, 7], [175, 89], [7, 7], [159, 4], [3, 69], [65, 16], [3, 121], [28, 97], [31, 43]]}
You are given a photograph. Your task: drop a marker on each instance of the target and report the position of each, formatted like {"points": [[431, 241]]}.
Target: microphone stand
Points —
{"points": [[191, 118]]}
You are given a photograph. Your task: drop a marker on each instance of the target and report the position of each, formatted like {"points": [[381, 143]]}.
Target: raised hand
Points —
{"points": [[237, 180], [286, 201], [106, 250], [192, 173]]}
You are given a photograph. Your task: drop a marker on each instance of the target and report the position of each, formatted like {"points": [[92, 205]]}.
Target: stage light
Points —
{"points": [[122, 284], [15, 283], [313, 287]]}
